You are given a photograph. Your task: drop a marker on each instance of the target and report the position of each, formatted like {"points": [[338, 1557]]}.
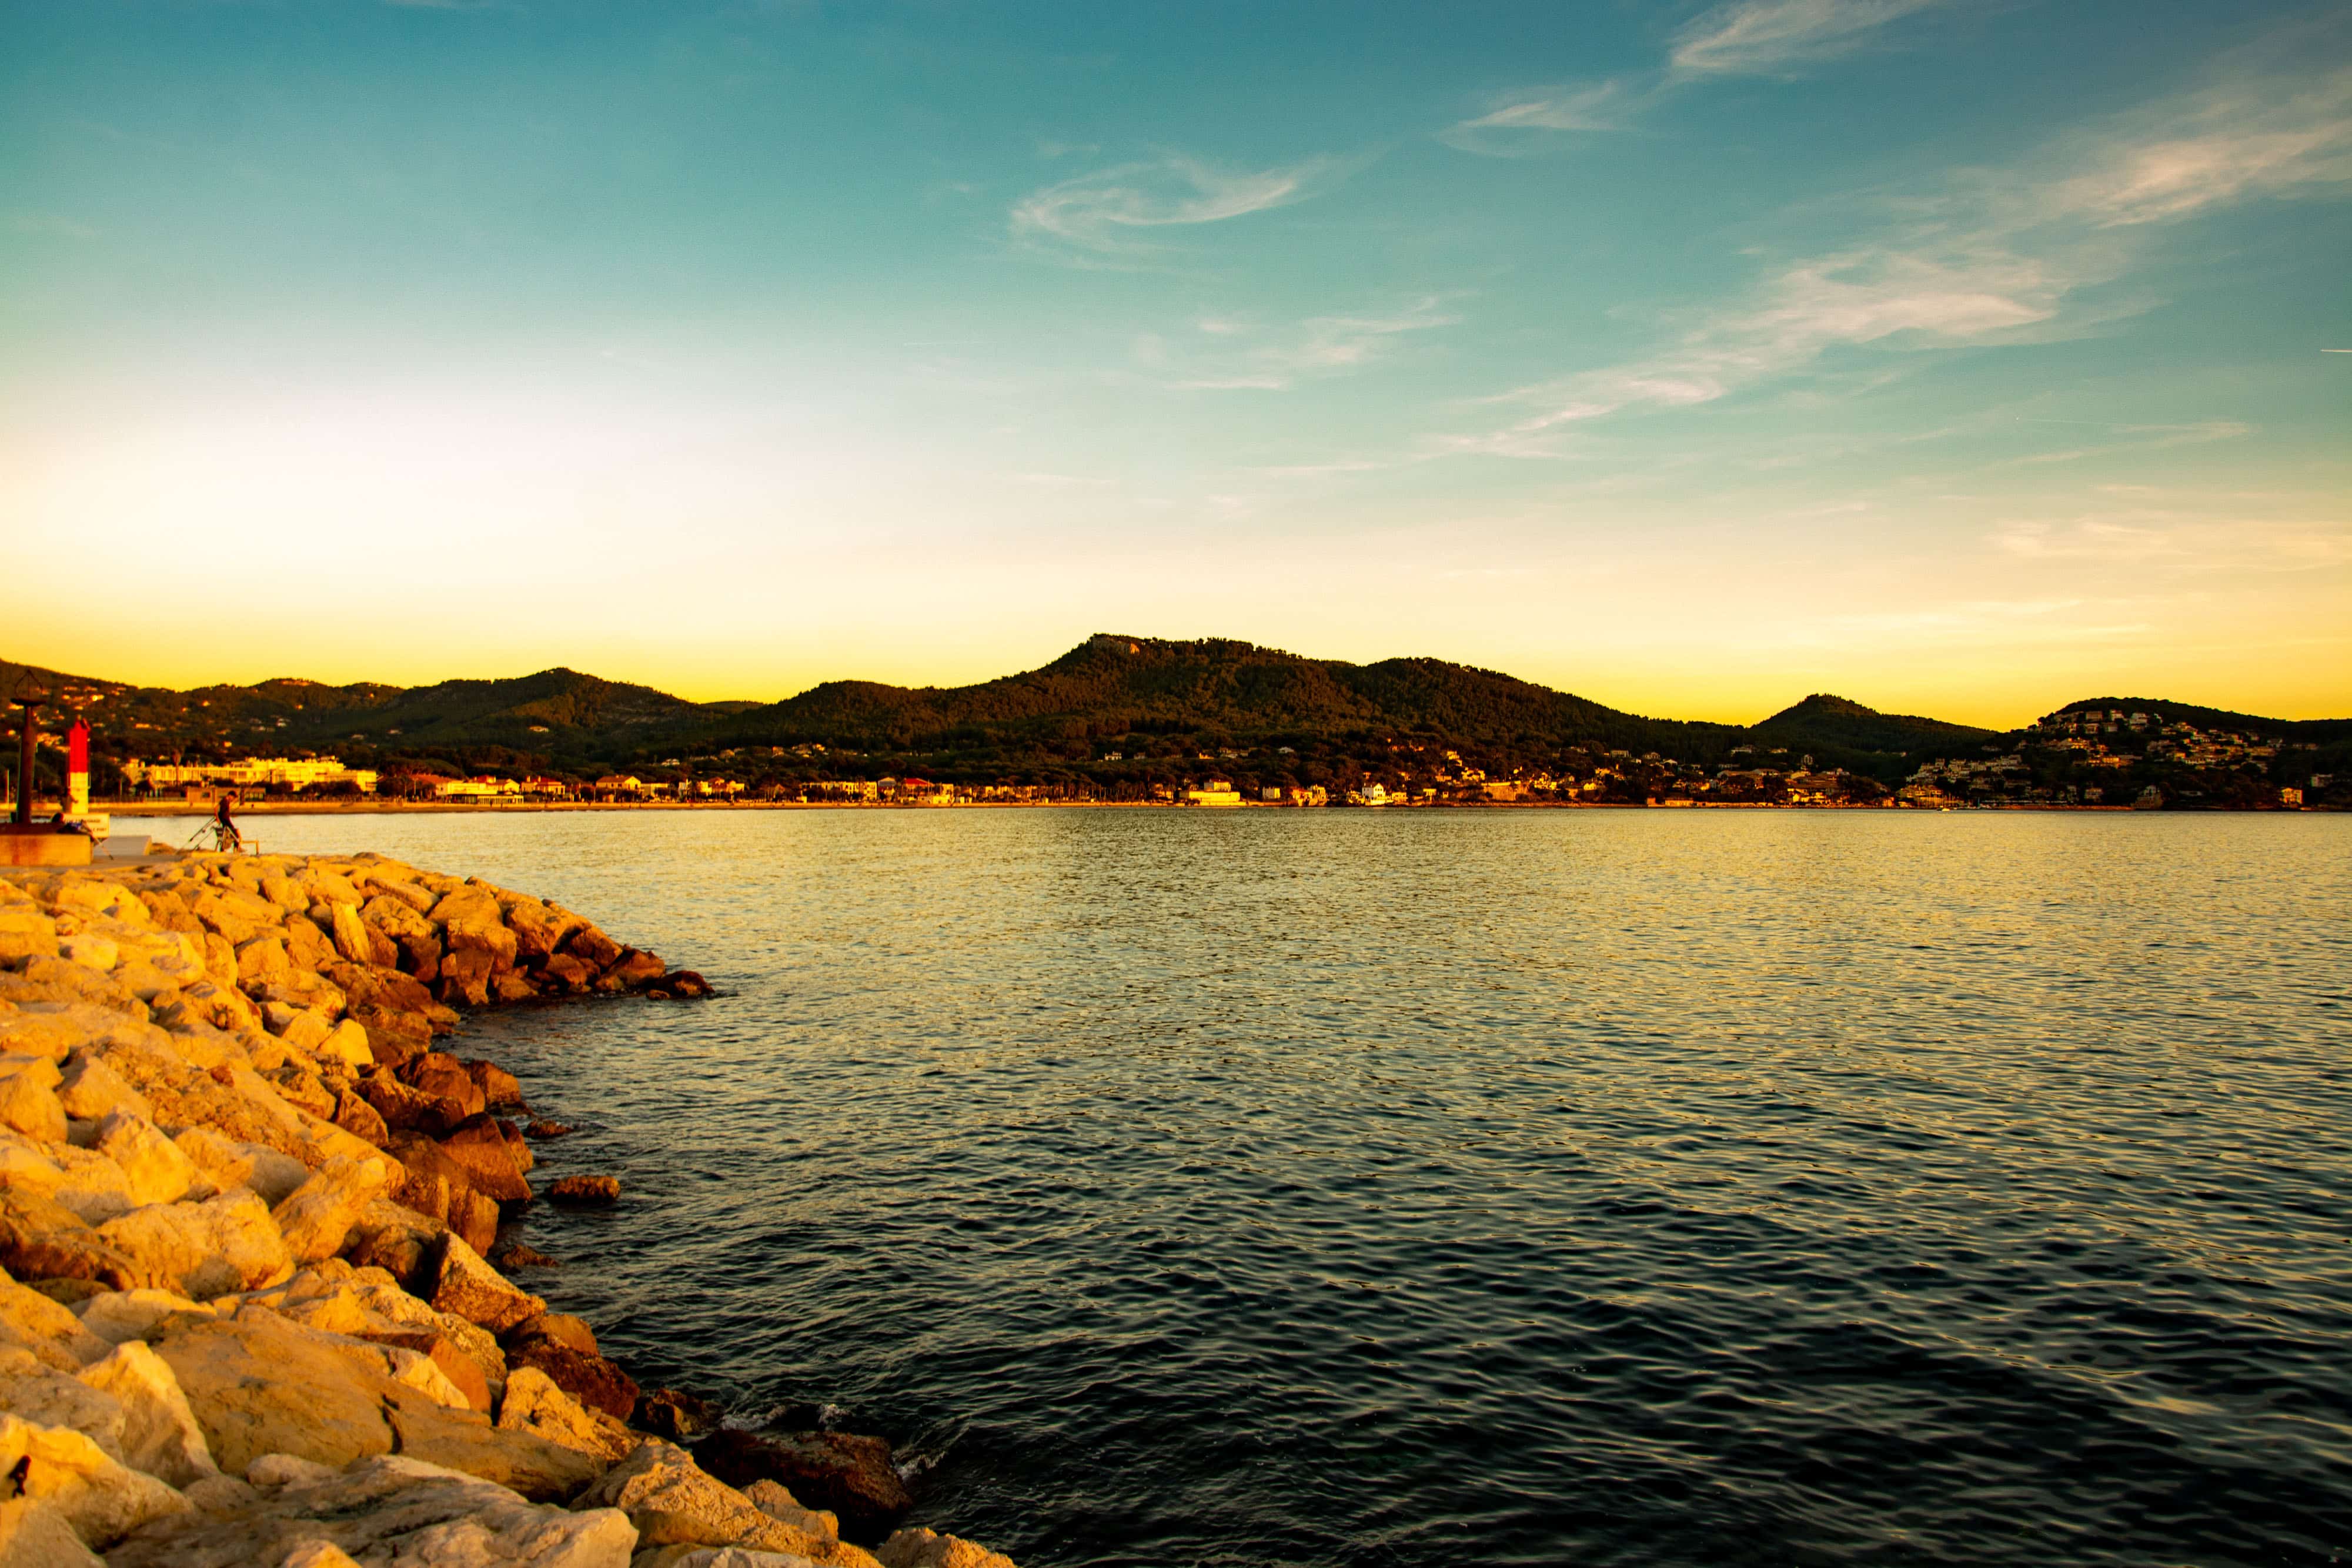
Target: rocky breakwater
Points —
{"points": [[245, 1316]]}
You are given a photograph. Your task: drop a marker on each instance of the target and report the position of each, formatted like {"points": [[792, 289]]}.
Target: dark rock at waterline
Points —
{"points": [[510, 1256], [674, 1414], [585, 1189], [681, 983], [543, 1128], [843, 1471]]}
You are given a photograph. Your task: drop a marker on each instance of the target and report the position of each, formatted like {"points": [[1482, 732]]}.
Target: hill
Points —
{"points": [[1839, 733], [1113, 686]]}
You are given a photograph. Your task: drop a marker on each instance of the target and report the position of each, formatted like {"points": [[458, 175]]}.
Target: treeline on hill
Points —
{"points": [[1169, 710]]}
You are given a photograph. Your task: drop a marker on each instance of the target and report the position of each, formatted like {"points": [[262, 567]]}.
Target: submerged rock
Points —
{"points": [[586, 1190]]}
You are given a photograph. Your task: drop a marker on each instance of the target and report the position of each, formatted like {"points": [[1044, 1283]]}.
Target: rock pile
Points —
{"points": [[245, 1311]]}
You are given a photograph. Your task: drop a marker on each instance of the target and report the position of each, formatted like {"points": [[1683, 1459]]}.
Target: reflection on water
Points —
{"points": [[1605, 1187]]}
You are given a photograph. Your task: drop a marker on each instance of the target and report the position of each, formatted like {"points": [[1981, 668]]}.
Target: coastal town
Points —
{"points": [[2078, 759]]}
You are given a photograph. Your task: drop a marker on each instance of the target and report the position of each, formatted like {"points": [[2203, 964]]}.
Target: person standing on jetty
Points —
{"points": [[225, 828]]}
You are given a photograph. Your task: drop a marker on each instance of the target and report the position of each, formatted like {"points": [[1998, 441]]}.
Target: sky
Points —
{"points": [[1961, 357]]}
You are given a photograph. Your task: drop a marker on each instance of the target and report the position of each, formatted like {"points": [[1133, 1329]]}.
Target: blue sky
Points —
{"points": [[1964, 358]]}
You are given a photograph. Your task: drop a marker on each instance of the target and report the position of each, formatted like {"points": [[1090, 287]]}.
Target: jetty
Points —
{"points": [[254, 1306]]}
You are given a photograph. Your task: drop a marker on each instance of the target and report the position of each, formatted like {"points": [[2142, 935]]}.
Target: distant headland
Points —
{"points": [[1130, 719]]}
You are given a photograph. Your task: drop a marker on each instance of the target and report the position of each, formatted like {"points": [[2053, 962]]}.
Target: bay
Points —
{"points": [[1479, 1186]]}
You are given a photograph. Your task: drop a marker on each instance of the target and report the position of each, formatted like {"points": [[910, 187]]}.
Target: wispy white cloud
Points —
{"points": [[1995, 258], [1113, 212], [1505, 129], [2195, 540], [1241, 357], [1772, 37], [1746, 38]]}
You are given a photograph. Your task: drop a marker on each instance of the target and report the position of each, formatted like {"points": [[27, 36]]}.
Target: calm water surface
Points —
{"points": [[1483, 1187]]}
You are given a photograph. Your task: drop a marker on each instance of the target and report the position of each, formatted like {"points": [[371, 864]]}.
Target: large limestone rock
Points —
{"points": [[116, 1316], [159, 1432], [26, 933], [30, 1321], [154, 1167], [675, 1503], [845, 1473], [91, 1186], [35, 1392], [221, 1245], [260, 1385], [470, 1288], [534, 1404], [228, 1164], [317, 1218], [40, 1239], [90, 1089], [33, 1534], [28, 1098], [392, 1510], [929, 1549], [102, 1501]]}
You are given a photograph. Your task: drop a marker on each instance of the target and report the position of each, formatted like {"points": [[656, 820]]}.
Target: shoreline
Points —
{"points": [[255, 1229], [434, 808]]}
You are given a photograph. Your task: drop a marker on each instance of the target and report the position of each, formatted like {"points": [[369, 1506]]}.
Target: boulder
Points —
{"points": [[26, 933], [400, 1107], [354, 1115], [593, 947], [595, 1381], [348, 1043], [479, 1146], [88, 1182], [352, 938], [262, 1385], [464, 977], [229, 1164], [499, 1088], [453, 1090], [659, 1484], [210, 1248], [556, 1328], [674, 1414], [154, 1168], [40, 1239], [929, 1549], [534, 1404], [90, 1088], [508, 1256], [585, 1189], [30, 1321], [28, 1098], [34, 1534], [317, 1218], [33, 1391], [393, 1509], [470, 1288], [779, 1503], [102, 1500], [844, 1473], [629, 971], [159, 1431], [564, 972], [403, 1242], [116, 1316]]}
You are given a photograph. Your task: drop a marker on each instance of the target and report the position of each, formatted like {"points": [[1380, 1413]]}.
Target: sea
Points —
{"points": [[1357, 1187]]}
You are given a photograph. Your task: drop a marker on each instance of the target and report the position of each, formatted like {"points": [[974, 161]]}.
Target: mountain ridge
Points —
{"points": [[1114, 692]]}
